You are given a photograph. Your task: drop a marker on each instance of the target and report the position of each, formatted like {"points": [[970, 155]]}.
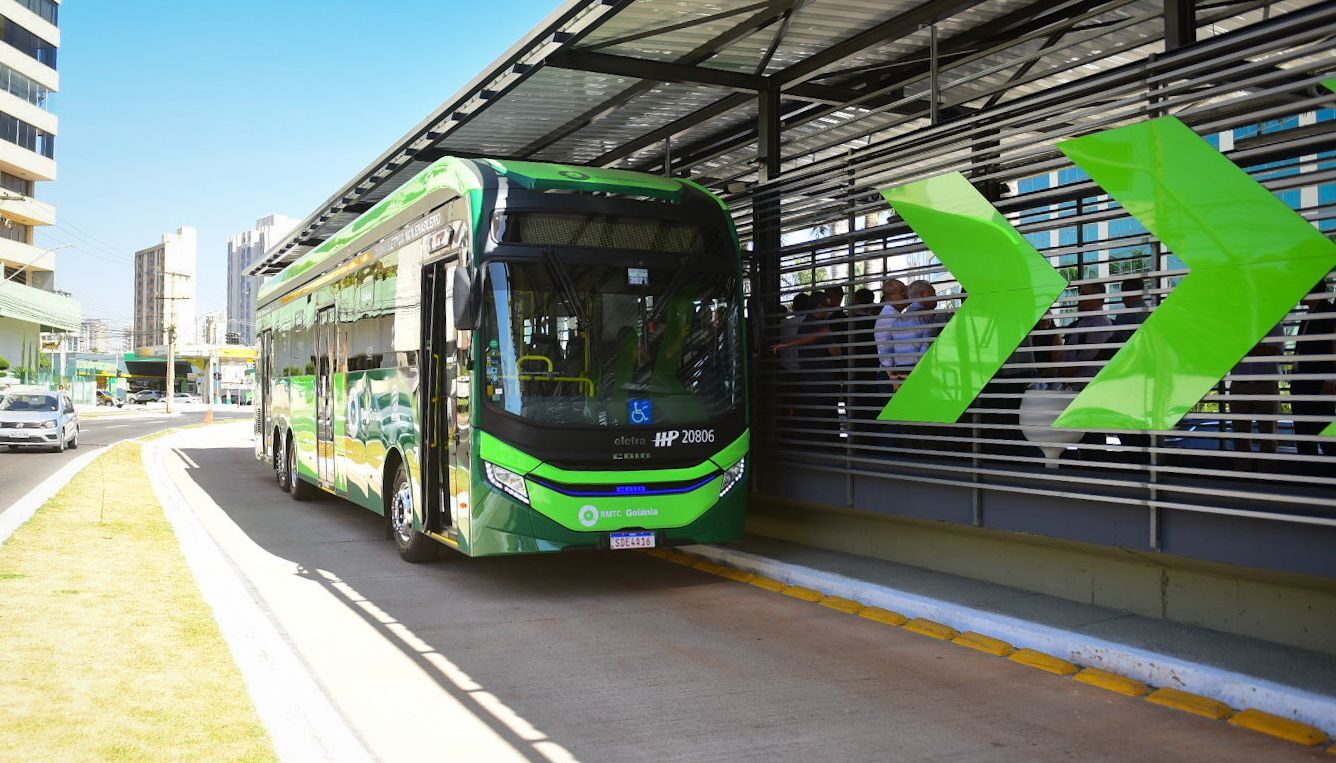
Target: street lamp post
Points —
{"points": [[39, 256]]}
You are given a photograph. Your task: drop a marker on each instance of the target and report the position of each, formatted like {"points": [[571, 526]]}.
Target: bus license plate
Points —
{"points": [[632, 540]]}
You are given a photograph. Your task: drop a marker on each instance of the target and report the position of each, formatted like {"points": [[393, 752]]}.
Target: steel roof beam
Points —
{"points": [[1023, 21], [892, 29], [714, 110], [703, 52], [684, 25], [1180, 23], [640, 68]]}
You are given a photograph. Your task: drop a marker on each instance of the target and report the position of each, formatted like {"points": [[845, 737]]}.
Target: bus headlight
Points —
{"points": [[506, 481], [732, 476]]}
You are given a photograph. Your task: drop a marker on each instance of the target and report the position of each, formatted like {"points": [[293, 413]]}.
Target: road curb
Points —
{"points": [[24, 508], [1057, 650], [301, 718]]}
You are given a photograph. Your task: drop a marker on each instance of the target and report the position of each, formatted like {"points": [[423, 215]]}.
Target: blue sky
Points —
{"points": [[215, 114]]}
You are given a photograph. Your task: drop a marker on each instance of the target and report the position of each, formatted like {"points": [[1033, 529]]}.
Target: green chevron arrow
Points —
{"points": [[1251, 258], [1010, 286]]}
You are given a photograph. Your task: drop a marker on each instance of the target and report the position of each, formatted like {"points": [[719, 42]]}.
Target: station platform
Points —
{"points": [[1237, 671]]}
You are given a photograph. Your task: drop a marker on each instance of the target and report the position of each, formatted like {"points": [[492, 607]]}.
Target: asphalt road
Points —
{"points": [[22, 470], [619, 656]]}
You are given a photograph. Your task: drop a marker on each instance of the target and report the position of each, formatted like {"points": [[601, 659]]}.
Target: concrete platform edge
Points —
{"points": [[24, 508], [302, 720], [1235, 689]]}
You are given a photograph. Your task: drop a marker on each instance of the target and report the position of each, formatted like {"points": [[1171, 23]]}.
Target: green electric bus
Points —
{"points": [[515, 357]]}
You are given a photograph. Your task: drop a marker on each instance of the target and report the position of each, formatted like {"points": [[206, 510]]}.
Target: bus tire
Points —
{"points": [[414, 547], [300, 489], [280, 456]]}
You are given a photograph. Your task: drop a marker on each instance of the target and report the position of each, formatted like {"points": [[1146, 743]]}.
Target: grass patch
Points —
{"points": [[110, 652]]}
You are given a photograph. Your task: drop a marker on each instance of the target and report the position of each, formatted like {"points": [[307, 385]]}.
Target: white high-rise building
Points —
{"points": [[98, 337], [28, 302], [211, 329], [165, 289], [243, 249]]}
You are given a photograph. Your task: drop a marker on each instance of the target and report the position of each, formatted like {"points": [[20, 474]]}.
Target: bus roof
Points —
{"points": [[472, 177]]}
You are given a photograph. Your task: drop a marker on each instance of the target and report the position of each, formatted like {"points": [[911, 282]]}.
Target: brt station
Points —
{"points": [[1038, 293]]}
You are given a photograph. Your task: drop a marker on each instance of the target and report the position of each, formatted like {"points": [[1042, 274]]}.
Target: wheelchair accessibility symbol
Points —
{"points": [[642, 412]]}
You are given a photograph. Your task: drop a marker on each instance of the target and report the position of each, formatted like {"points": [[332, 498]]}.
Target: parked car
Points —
{"points": [[37, 419], [146, 396], [185, 397], [106, 398]]}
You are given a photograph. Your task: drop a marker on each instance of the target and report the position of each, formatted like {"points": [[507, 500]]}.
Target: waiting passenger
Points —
{"points": [[1134, 313], [893, 296], [1088, 329], [788, 330], [910, 334], [1315, 378], [1267, 408], [819, 360], [834, 297]]}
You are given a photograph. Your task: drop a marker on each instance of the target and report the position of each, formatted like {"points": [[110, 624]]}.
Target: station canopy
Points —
{"points": [[640, 84]]}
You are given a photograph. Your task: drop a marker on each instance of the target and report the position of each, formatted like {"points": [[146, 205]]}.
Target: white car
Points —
{"points": [[38, 419], [185, 397]]}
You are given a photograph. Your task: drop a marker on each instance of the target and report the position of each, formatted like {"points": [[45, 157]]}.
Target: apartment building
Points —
{"points": [[243, 249], [211, 328], [29, 304], [165, 289]]}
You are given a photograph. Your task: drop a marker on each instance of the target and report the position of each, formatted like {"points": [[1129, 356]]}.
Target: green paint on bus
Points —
{"points": [[364, 374]]}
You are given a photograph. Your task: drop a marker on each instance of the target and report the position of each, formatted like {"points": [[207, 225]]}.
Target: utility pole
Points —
{"points": [[171, 336]]}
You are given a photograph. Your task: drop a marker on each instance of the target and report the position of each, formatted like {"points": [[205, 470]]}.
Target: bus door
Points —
{"points": [[264, 368], [324, 394], [438, 370]]}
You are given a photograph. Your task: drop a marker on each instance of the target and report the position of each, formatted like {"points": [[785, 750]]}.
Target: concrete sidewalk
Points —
{"points": [[606, 656], [1241, 672]]}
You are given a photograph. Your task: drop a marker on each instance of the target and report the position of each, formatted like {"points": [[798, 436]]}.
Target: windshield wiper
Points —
{"points": [[670, 291], [563, 279]]}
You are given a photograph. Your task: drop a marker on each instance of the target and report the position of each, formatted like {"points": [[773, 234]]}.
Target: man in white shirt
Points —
{"points": [[903, 338], [893, 296]]}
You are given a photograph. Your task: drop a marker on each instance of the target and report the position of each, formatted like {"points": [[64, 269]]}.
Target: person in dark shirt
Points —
{"points": [[1134, 313], [864, 393], [1315, 378], [835, 299], [819, 361]]}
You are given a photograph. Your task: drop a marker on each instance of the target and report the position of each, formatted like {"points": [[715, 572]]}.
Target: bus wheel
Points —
{"points": [[301, 490], [413, 546], [280, 463]]}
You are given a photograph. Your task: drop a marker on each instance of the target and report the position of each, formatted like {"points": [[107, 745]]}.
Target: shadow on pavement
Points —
{"points": [[627, 657]]}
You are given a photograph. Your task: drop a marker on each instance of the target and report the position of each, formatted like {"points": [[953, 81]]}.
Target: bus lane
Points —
{"points": [[623, 656]]}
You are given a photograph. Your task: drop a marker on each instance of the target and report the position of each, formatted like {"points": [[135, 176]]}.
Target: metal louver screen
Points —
{"points": [[1250, 448]]}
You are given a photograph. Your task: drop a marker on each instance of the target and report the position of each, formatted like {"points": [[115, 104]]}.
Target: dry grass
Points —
{"points": [[109, 651]]}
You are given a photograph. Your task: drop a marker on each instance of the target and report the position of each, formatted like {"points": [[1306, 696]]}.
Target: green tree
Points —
{"points": [[4, 363]]}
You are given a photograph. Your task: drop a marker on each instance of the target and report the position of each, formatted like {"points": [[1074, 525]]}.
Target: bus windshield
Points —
{"points": [[607, 345]]}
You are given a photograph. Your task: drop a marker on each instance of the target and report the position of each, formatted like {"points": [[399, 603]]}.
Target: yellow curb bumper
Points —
{"points": [[1129, 687], [1045, 662], [1190, 703], [1278, 726]]}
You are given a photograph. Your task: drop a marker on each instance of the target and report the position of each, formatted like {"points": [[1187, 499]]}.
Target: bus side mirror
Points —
{"points": [[465, 300]]}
